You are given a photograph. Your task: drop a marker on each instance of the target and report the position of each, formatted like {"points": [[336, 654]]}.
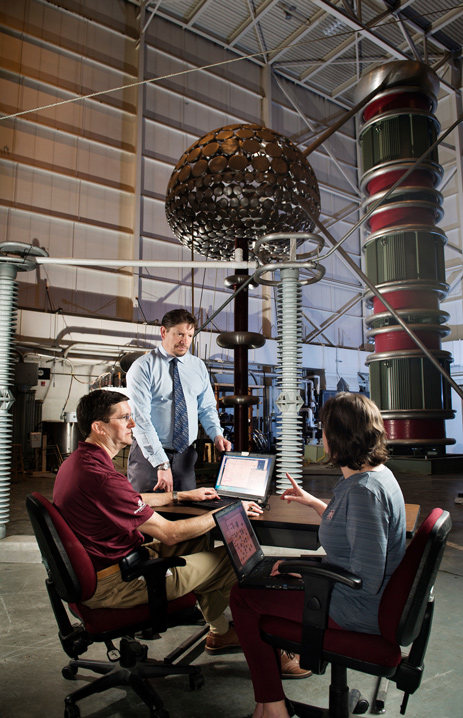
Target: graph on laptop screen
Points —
{"points": [[245, 474]]}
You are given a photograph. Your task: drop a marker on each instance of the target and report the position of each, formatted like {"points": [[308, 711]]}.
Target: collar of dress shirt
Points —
{"points": [[169, 357]]}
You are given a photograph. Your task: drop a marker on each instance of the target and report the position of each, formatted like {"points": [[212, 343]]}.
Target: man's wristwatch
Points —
{"points": [[163, 467], [175, 497]]}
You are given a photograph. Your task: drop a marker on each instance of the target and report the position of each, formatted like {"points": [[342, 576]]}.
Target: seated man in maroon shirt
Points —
{"points": [[109, 518]]}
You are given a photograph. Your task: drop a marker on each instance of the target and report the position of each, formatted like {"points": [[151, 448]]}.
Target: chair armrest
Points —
{"points": [[319, 579], [140, 563], [327, 571]]}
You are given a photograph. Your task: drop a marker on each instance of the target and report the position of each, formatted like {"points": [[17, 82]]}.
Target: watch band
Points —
{"points": [[175, 497], [164, 466]]}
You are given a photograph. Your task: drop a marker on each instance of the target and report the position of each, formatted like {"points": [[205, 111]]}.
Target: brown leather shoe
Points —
{"points": [[226, 643], [290, 667]]}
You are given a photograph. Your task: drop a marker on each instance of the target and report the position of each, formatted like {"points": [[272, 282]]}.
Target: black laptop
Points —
{"points": [[242, 475], [246, 555]]}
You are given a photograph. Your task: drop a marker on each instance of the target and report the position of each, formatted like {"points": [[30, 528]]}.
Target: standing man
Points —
{"points": [[170, 391]]}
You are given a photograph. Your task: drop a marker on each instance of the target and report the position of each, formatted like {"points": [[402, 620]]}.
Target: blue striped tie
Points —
{"points": [[180, 438]]}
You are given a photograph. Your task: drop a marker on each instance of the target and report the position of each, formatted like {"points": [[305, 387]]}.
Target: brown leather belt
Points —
{"points": [[108, 571]]}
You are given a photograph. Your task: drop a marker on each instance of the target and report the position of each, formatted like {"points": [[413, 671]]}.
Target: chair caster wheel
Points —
{"points": [[361, 707], [196, 681], [71, 711], [69, 672]]}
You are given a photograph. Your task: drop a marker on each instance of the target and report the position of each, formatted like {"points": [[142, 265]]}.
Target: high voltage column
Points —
{"points": [[290, 445], [290, 450], [14, 257], [404, 255]]}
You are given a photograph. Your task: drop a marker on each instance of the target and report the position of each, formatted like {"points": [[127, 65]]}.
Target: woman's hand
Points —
{"points": [[295, 493], [275, 571]]}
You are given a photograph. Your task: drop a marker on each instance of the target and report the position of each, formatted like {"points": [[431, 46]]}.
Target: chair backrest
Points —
{"points": [[66, 560], [408, 591]]}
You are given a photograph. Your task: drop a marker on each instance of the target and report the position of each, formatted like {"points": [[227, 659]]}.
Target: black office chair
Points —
{"points": [[405, 617], [72, 580]]}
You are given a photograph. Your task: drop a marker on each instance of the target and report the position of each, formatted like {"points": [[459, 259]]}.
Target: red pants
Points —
{"points": [[247, 606]]}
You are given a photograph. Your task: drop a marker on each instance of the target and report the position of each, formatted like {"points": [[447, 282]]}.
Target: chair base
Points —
{"points": [[133, 669], [343, 702], [356, 705]]}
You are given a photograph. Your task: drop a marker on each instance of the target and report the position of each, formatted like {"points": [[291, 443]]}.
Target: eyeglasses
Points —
{"points": [[126, 418]]}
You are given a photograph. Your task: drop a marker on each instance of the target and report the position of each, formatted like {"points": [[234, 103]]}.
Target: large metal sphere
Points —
{"points": [[239, 181]]}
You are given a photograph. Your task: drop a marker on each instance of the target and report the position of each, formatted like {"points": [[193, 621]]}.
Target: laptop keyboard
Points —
{"points": [[263, 568], [211, 503]]}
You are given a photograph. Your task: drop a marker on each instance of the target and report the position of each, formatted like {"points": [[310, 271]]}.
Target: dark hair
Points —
{"points": [[354, 430], [96, 406], [178, 316]]}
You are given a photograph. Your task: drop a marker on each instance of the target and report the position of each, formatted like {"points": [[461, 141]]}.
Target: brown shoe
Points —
{"points": [[225, 643], [290, 667]]}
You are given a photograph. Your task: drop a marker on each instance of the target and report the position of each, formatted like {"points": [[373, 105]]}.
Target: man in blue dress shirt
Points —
{"points": [[154, 462]]}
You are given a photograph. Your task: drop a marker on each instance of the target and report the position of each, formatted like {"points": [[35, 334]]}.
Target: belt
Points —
{"points": [[108, 571]]}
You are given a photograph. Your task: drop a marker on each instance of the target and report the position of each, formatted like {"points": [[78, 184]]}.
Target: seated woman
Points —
{"points": [[362, 530]]}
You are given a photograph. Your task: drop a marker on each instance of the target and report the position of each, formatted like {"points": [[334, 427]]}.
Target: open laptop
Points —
{"points": [[241, 476], [251, 566]]}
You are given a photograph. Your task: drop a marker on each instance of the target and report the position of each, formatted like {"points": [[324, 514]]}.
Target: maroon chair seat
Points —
{"points": [[71, 580], [405, 618]]}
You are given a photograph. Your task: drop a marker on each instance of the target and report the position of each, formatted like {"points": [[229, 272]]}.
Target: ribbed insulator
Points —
{"points": [[289, 402], [8, 312]]}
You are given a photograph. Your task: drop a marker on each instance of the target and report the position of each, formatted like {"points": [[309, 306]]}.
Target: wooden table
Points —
{"points": [[285, 525]]}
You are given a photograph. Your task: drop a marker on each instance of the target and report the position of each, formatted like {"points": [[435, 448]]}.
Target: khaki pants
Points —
{"points": [[208, 573]]}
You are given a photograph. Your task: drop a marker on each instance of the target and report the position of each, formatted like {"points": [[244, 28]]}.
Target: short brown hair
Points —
{"points": [[178, 316], [354, 430], [97, 406]]}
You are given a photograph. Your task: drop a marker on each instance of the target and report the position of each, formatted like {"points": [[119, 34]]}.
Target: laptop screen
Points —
{"points": [[245, 475], [238, 536]]}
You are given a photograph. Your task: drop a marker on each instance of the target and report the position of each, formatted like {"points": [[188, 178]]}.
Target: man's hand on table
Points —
{"points": [[205, 492], [251, 508]]}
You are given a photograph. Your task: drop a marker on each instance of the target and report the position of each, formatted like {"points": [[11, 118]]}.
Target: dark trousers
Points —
{"points": [[248, 605], [143, 476]]}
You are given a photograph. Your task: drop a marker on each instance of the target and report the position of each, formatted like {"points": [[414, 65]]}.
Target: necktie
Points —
{"points": [[180, 438]]}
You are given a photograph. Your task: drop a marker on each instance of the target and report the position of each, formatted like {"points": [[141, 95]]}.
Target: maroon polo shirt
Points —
{"points": [[100, 505]]}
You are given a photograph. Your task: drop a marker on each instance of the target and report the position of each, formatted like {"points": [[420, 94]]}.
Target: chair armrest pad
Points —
{"points": [[327, 571], [138, 563]]}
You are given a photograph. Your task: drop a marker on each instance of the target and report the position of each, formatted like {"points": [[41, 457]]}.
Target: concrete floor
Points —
{"points": [[31, 657]]}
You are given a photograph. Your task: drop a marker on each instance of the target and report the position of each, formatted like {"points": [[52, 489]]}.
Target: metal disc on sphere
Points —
{"points": [[224, 134], [238, 162], [211, 149], [251, 146], [273, 150], [245, 133], [194, 155], [200, 168], [261, 163], [230, 146], [218, 164]]}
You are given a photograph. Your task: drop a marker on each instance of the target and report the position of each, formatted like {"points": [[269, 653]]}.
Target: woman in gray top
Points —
{"points": [[362, 529]]}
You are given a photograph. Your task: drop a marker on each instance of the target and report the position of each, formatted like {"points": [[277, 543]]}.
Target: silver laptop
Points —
{"points": [[242, 476], [251, 566]]}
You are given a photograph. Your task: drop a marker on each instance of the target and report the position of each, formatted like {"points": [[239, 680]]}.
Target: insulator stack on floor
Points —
{"points": [[8, 314], [404, 255], [290, 448]]}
